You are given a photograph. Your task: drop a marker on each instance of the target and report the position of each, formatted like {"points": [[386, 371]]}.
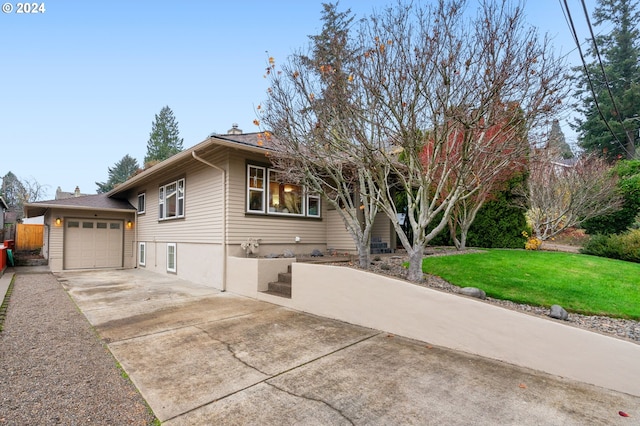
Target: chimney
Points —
{"points": [[77, 191], [234, 130]]}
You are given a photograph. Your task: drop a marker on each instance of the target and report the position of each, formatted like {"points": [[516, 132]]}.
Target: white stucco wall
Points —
{"points": [[457, 322]]}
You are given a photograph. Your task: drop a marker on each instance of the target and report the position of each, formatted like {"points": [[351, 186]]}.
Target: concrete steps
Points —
{"points": [[282, 287]]}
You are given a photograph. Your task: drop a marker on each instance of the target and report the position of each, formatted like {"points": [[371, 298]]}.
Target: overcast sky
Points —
{"points": [[82, 82]]}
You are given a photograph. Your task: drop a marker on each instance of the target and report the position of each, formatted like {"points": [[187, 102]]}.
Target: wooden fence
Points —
{"points": [[29, 236]]}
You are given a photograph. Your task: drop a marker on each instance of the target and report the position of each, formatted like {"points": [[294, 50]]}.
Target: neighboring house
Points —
{"points": [[60, 194], [3, 208], [191, 212]]}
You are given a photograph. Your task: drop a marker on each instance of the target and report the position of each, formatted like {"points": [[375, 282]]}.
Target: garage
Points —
{"points": [[93, 243]]}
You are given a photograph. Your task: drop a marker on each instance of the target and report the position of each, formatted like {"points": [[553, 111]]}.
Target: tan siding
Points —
{"points": [[202, 222], [338, 238], [270, 229], [382, 228]]}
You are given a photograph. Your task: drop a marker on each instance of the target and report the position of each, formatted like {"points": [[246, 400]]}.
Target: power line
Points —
{"points": [[572, 28]]}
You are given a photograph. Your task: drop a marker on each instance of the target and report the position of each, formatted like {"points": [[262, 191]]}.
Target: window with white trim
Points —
{"points": [[142, 253], [171, 257], [255, 189], [268, 192], [141, 203], [171, 200]]}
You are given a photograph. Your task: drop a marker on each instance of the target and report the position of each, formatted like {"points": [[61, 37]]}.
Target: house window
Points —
{"points": [[171, 257], [282, 198], [142, 254], [171, 200], [255, 193], [141, 203], [313, 205]]}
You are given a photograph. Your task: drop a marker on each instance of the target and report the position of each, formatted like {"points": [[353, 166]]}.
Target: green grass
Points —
{"points": [[584, 284]]}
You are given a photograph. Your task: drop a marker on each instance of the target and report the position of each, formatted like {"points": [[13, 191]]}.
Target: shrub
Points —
{"points": [[624, 246], [629, 187], [498, 224]]}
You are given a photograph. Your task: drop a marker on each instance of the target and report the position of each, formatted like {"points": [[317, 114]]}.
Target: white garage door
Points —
{"points": [[93, 243]]}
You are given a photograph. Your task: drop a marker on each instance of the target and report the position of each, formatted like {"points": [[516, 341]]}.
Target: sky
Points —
{"points": [[81, 82]]}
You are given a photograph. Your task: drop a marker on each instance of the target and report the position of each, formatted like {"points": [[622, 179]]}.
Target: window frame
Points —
{"points": [[256, 189], [311, 196], [275, 180], [142, 200], [142, 253], [175, 258], [179, 203], [266, 195]]}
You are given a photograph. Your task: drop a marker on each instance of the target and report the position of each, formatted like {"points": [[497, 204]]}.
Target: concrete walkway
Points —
{"points": [[199, 356]]}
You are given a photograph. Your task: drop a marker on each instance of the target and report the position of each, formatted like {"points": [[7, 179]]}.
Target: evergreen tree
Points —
{"points": [[609, 127], [164, 139], [557, 141], [13, 191], [16, 192], [120, 172]]}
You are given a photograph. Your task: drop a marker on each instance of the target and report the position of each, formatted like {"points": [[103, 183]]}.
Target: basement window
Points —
{"points": [[171, 257], [142, 253]]}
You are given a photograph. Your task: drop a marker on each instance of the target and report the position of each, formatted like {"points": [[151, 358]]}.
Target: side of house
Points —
{"points": [[188, 214]]}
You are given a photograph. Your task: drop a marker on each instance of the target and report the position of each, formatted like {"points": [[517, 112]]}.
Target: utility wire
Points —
{"points": [[572, 28], [604, 73]]}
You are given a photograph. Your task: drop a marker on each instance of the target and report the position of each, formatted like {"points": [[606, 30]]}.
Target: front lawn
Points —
{"points": [[584, 284]]}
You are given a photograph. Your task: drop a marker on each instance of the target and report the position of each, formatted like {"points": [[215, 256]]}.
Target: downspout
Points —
{"points": [[224, 217], [136, 243]]}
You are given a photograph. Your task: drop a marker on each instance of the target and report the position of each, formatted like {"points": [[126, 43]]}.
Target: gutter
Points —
{"points": [[224, 216]]}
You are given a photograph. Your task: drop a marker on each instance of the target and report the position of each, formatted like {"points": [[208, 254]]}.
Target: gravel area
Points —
{"points": [[621, 328], [53, 367]]}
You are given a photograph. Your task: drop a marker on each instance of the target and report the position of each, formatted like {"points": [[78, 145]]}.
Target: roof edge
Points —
{"points": [[211, 140]]}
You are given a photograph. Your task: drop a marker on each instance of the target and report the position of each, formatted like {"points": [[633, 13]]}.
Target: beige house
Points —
{"points": [[188, 214]]}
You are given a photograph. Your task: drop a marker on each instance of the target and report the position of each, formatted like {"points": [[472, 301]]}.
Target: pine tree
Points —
{"points": [[164, 139], [609, 127], [119, 173], [557, 141]]}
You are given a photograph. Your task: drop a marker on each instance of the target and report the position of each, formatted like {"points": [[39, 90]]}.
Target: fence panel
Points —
{"points": [[29, 236]]}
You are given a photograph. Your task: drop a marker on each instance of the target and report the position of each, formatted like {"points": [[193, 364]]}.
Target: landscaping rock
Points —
{"points": [[316, 253], [473, 292], [558, 312], [272, 256], [289, 253]]}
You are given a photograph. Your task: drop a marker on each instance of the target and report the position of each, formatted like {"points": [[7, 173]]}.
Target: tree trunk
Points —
{"points": [[415, 265], [364, 256], [462, 243]]}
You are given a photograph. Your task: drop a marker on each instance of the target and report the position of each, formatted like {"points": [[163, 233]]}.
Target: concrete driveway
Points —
{"points": [[202, 357]]}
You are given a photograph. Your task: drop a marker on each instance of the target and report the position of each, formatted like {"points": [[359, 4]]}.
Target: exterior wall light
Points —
{"points": [[58, 221], [129, 224]]}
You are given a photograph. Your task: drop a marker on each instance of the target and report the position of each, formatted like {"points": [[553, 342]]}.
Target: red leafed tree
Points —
{"points": [[499, 153]]}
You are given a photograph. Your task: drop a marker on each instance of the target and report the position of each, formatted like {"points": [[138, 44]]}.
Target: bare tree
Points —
{"points": [[314, 136], [425, 94], [17, 192], [560, 196], [437, 83]]}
